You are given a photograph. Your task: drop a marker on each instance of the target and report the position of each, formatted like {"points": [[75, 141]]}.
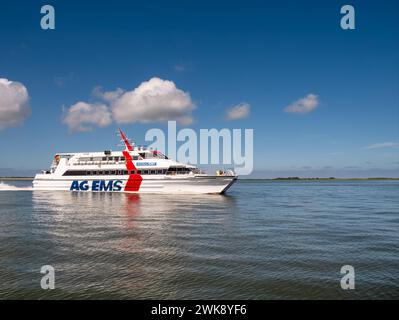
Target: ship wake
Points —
{"points": [[9, 187]]}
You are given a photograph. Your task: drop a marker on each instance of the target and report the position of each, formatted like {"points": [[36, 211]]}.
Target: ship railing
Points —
{"points": [[80, 163]]}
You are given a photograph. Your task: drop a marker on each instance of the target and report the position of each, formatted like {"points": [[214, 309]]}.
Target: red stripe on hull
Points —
{"points": [[134, 181]]}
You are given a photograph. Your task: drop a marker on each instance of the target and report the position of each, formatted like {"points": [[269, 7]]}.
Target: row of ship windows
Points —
{"points": [[125, 172], [110, 172], [106, 159], [116, 159]]}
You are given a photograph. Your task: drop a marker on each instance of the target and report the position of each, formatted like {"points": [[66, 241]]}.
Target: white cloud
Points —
{"points": [[240, 111], [108, 96], [83, 116], [14, 103], [383, 145], [155, 100], [303, 105]]}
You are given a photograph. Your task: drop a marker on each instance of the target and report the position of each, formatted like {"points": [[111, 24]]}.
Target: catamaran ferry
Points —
{"points": [[135, 169]]}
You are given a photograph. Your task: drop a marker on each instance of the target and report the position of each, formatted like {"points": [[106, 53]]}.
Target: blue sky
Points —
{"points": [[265, 54]]}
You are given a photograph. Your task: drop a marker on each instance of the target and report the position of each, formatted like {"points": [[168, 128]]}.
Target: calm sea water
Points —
{"points": [[263, 240]]}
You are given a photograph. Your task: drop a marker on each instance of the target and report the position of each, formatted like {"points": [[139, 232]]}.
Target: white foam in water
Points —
{"points": [[9, 187]]}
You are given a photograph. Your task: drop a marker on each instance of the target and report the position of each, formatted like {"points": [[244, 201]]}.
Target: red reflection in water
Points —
{"points": [[133, 208]]}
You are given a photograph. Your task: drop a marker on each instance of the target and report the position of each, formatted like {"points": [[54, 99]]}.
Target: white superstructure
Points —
{"points": [[136, 169]]}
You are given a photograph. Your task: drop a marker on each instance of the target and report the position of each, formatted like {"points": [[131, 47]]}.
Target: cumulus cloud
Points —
{"points": [[240, 111], [383, 145], [108, 96], [155, 100], [84, 116], [303, 105], [14, 103]]}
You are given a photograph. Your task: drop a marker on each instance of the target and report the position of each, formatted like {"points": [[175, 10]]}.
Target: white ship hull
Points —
{"points": [[196, 184], [133, 170]]}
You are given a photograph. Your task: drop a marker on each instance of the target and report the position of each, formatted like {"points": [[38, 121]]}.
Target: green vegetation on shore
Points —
{"points": [[325, 179]]}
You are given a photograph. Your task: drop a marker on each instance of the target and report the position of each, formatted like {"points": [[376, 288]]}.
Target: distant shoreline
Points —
{"points": [[319, 179], [268, 179]]}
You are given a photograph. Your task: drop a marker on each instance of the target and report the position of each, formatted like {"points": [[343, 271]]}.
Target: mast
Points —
{"points": [[126, 141]]}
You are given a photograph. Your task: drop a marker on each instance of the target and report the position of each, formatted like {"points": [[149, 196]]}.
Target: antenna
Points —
{"points": [[126, 141]]}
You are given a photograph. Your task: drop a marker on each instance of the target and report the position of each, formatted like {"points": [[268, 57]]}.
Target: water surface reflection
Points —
{"points": [[264, 240], [129, 242]]}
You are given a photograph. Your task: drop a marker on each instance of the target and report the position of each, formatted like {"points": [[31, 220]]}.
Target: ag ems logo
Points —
{"points": [[96, 185]]}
